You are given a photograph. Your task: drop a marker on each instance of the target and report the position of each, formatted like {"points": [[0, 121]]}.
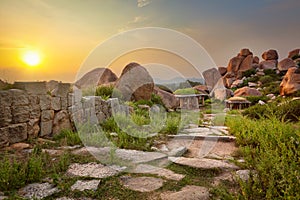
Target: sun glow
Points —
{"points": [[31, 58]]}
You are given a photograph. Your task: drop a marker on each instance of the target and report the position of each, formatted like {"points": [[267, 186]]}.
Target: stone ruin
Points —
{"points": [[43, 109]]}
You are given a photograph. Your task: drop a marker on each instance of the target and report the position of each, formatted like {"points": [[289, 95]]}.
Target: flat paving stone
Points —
{"points": [[142, 184], [38, 191], [85, 185], [203, 163], [150, 169], [130, 156], [189, 192], [92, 170]]}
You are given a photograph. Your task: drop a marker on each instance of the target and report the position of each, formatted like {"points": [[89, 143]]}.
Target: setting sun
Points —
{"points": [[31, 58]]}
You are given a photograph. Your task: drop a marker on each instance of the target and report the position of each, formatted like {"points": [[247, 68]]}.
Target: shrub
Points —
{"points": [[249, 72], [270, 147], [266, 79], [186, 91], [269, 72], [271, 88], [286, 111], [255, 99], [68, 137], [104, 91]]}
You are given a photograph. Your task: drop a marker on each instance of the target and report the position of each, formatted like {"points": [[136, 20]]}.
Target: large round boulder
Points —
{"points": [[270, 55], [96, 77], [291, 82], [293, 53], [285, 64], [247, 91], [135, 83]]}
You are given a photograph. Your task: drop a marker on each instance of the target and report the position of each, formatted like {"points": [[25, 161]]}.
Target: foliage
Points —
{"points": [[67, 137], [186, 91], [248, 73], [255, 99], [271, 88], [270, 148], [287, 111], [295, 57], [269, 72]]}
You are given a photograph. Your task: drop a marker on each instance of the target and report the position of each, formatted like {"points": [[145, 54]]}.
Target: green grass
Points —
{"points": [[271, 148], [186, 91], [67, 137]]}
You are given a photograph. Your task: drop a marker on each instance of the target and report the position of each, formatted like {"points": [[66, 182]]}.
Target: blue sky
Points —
{"points": [[77, 26]]}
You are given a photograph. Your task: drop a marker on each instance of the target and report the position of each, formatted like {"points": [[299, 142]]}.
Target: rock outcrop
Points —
{"points": [[96, 77], [211, 77], [247, 91], [294, 53], [135, 83], [291, 82], [222, 70], [285, 64], [167, 98], [270, 55]]}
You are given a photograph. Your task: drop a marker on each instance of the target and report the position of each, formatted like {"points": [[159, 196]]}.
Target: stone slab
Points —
{"points": [[92, 170], [85, 185], [203, 163], [38, 191], [150, 169], [190, 192], [142, 184]]}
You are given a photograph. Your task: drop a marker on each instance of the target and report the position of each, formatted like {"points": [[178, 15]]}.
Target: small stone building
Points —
{"points": [[191, 101], [237, 103]]}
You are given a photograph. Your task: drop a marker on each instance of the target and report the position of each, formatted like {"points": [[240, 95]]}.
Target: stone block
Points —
{"points": [[47, 115], [33, 128], [19, 97], [64, 103], [46, 128], [34, 100], [5, 98], [4, 137], [17, 133], [61, 122], [35, 111], [45, 102], [62, 90], [20, 114], [5, 116], [55, 103], [32, 87]]}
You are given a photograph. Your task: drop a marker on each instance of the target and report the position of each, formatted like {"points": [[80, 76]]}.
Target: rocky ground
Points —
{"points": [[185, 166]]}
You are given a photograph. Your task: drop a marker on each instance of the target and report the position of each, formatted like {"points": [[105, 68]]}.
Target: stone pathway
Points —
{"points": [[142, 184], [190, 192], [202, 148]]}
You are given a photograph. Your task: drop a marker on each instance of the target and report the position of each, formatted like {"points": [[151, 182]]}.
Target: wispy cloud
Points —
{"points": [[137, 21], [142, 3]]}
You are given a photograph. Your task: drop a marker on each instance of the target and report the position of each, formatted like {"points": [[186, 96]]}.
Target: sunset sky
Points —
{"points": [[64, 32]]}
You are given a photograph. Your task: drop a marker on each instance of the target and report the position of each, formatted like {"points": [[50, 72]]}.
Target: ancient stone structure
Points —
{"points": [[39, 109]]}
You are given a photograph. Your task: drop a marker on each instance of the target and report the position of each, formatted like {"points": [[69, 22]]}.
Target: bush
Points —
{"points": [[249, 72], [255, 99], [186, 91], [286, 111], [269, 72], [266, 79], [270, 147], [271, 88], [67, 137]]}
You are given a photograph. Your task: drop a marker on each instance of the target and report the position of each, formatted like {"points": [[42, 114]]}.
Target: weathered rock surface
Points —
{"points": [[38, 191], [61, 122], [270, 55], [96, 77], [85, 185], [92, 170], [189, 192], [291, 82], [135, 83], [247, 91], [211, 77], [246, 64], [150, 169], [142, 184], [222, 70], [268, 64], [203, 163], [293, 53], [285, 64], [167, 98]]}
